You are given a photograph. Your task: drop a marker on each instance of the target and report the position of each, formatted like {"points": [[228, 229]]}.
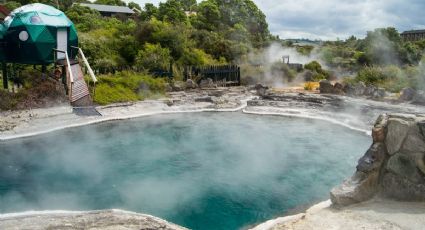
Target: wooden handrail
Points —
{"points": [[86, 63]]}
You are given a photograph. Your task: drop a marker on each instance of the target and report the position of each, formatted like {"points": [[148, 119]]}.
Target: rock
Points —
{"points": [[359, 188], [414, 141], [326, 87], [359, 89], [349, 89], [419, 98], [207, 83], [400, 188], [216, 93], [168, 87], [169, 102], [369, 90], [373, 159], [338, 89], [379, 93], [104, 219], [407, 94], [394, 166], [404, 165], [261, 90], [177, 86], [397, 131], [378, 134], [190, 84]]}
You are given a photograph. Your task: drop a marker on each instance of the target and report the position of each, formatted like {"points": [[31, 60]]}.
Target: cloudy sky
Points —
{"points": [[332, 19]]}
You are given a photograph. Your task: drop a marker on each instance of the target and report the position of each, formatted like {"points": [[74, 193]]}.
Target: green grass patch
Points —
{"points": [[126, 87]]}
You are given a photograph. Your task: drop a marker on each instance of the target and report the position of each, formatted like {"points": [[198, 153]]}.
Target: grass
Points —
{"points": [[126, 87]]}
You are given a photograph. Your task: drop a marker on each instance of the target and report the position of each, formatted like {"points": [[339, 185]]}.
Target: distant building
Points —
{"points": [[110, 11], [3, 13], [413, 35]]}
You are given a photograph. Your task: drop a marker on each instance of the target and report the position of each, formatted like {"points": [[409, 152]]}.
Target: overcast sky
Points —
{"points": [[332, 19]]}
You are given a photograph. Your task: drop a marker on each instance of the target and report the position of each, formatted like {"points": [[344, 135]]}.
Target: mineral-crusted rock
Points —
{"points": [[397, 131], [407, 94], [190, 84], [207, 83], [393, 167], [349, 90], [359, 89], [373, 158], [369, 90], [177, 86], [414, 141], [326, 87], [338, 89], [419, 98], [379, 93], [359, 188], [105, 219], [400, 188], [261, 90], [378, 134]]}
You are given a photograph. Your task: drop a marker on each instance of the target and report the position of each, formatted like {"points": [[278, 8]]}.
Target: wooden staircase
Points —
{"points": [[77, 88], [79, 95]]}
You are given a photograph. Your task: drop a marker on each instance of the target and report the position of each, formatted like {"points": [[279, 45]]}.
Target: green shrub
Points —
{"points": [[318, 72], [126, 87], [371, 76]]}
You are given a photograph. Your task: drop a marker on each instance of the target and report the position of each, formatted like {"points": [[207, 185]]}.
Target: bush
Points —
{"points": [[318, 72], [126, 87]]}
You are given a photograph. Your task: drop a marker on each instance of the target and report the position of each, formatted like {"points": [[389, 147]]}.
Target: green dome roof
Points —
{"points": [[29, 34], [37, 14]]}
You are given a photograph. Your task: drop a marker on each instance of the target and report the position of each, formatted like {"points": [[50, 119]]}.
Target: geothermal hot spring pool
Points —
{"points": [[200, 170]]}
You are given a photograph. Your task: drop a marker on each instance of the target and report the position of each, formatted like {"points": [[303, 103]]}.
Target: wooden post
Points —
{"points": [[5, 80]]}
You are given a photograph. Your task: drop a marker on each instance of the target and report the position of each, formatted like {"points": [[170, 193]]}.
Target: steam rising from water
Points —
{"points": [[193, 169]]}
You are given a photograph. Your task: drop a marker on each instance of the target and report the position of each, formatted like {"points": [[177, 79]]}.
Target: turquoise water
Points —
{"points": [[199, 170]]}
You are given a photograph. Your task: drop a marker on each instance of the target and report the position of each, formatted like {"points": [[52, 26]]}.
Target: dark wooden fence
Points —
{"points": [[225, 75]]}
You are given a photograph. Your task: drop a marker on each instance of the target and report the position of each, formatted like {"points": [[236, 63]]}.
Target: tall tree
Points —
{"points": [[172, 11]]}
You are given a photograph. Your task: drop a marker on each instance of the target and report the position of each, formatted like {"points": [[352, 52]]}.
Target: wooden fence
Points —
{"points": [[225, 75]]}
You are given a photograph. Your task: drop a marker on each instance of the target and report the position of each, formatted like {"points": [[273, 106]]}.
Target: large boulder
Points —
{"points": [[190, 84], [419, 98], [326, 87], [397, 131], [358, 188], [338, 89], [349, 89], [359, 89], [393, 167], [207, 83], [261, 89], [407, 94]]}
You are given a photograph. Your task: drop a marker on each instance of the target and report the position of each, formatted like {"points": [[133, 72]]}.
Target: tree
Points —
{"points": [[188, 5], [153, 57], [171, 11], [149, 11], [133, 5], [209, 15]]}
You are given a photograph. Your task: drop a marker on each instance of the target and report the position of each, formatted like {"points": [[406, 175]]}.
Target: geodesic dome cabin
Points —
{"points": [[30, 34]]}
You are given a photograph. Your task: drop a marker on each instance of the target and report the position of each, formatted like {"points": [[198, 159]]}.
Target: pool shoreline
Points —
{"points": [[43, 121], [21, 124]]}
